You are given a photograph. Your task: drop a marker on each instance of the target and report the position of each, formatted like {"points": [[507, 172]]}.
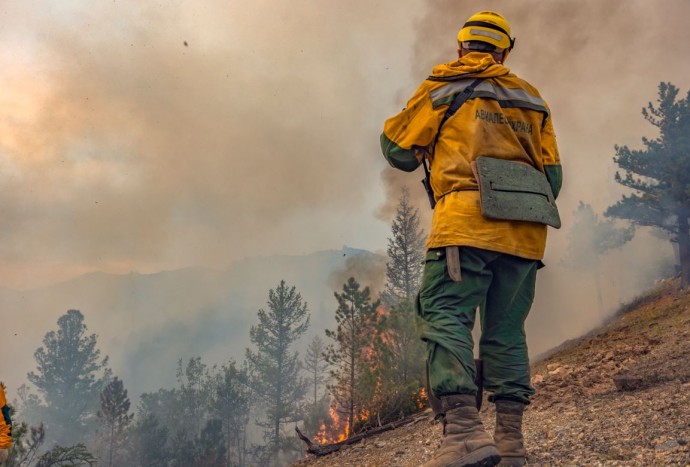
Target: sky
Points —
{"points": [[150, 136], [145, 136]]}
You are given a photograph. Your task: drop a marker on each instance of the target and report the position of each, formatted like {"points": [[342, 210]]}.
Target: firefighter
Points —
{"points": [[5, 427], [472, 261]]}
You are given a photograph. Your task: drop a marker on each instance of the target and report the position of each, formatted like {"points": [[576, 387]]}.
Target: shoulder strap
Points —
{"points": [[459, 99]]}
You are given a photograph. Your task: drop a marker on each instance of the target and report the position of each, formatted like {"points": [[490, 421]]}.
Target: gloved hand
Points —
{"points": [[4, 453]]}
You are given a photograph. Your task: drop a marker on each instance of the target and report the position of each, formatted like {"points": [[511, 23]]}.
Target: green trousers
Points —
{"points": [[501, 286]]}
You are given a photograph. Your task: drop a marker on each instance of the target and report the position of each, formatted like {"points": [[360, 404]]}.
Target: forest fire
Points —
{"points": [[334, 431], [422, 399]]}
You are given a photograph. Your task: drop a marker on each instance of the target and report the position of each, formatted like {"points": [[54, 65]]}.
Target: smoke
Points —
{"points": [[141, 136], [369, 270], [597, 64]]}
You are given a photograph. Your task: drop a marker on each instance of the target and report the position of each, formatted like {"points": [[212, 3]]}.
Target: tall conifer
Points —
{"points": [[274, 366], [353, 336], [70, 376], [659, 175]]}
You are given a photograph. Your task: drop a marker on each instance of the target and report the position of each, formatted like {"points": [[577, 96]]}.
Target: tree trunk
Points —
{"points": [[110, 454], [351, 415], [683, 248], [243, 451], [228, 437], [316, 380]]}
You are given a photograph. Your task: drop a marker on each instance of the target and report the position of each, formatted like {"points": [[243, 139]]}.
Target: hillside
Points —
{"points": [[146, 322], [619, 396]]}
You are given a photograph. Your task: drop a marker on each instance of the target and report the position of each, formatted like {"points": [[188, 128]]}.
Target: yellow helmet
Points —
{"points": [[489, 27]]}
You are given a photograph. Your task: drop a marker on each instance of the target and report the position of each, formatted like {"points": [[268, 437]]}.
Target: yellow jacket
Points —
{"points": [[5, 422], [505, 117]]}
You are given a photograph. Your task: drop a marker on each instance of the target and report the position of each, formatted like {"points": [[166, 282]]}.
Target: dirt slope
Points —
{"points": [[619, 396]]}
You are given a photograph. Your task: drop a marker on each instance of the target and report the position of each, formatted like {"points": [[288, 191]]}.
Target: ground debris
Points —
{"points": [[579, 415]]}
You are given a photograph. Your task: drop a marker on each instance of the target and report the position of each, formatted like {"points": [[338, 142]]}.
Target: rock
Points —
{"points": [[627, 382], [666, 445], [380, 444], [537, 379]]}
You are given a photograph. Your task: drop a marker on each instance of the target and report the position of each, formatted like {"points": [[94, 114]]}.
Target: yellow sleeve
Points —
{"points": [[5, 422], [551, 157], [415, 126]]}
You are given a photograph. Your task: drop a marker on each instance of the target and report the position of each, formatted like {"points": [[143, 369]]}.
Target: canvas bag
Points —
{"points": [[514, 191]]}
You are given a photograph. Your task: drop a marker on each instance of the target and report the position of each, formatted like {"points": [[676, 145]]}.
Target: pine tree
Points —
{"points": [[397, 368], [70, 376], [149, 442], [211, 445], [274, 366], [165, 405], [589, 239], [115, 417], [194, 393], [231, 405], [353, 336], [316, 365], [660, 175], [27, 443], [75, 456], [405, 253]]}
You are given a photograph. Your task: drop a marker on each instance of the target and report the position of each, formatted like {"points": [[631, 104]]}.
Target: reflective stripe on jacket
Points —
{"points": [[505, 117]]}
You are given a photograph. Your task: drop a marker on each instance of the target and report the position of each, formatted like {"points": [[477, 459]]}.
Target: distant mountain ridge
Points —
{"points": [[146, 322]]}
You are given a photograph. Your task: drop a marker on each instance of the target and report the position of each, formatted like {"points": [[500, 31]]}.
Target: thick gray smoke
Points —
{"points": [[597, 64], [146, 136]]}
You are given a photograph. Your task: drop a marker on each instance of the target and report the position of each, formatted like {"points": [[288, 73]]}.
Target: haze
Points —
{"points": [[150, 136]]}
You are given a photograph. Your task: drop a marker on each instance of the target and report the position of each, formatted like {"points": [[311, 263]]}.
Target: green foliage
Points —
{"points": [[659, 175], [210, 446], [73, 456], [397, 367], [230, 404], [395, 372], [70, 376], [389, 371], [405, 254], [316, 366], [179, 426], [194, 393], [355, 318], [149, 442], [25, 449], [317, 420], [274, 367], [115, 419], [163, 405], [207, 449], [26, 443]]}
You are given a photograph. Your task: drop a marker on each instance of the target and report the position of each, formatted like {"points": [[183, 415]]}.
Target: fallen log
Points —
{"points": [[325, 449]]}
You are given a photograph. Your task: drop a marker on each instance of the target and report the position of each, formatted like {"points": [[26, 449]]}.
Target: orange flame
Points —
{"points": [[422, 399]]}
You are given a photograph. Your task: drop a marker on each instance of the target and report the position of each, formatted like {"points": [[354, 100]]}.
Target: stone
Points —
{"points": [[627, 382]]}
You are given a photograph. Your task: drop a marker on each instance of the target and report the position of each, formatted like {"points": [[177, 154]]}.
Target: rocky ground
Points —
{"points": [[617, 397]]}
